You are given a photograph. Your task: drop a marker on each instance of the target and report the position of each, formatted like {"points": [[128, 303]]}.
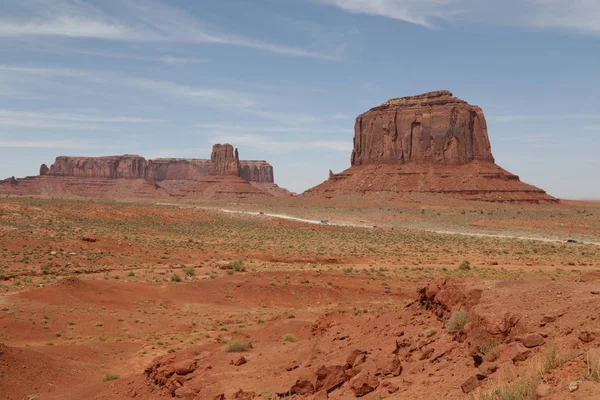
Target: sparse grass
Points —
{"points": [[288, 337], [592, 372], [110, 377], [234, 346], [551, 360], [457, 321], [519, 389], [175, 278], [488, 350], [189, 271]]}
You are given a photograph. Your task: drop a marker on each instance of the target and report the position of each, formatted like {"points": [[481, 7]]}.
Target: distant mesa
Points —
{"points": [[431, 143], [130, 176]]}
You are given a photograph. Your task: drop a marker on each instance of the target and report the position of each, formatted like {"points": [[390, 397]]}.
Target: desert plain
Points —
{"points": [[424, 298]]}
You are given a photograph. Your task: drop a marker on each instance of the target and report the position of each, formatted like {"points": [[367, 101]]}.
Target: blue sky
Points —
{"points": [[283, 80]]}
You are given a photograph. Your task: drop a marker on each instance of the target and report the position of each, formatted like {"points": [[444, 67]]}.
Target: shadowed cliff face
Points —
{"points": [[430, 128], [224, 161]]}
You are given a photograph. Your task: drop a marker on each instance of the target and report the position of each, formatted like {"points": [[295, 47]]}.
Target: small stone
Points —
{"points": [[240, 361], [392, 388], [542, 390], [302, 387], [518, 353], [469, 385], [220, 397], [486, 369], [532, 340], [363, 384], [573, 386]]}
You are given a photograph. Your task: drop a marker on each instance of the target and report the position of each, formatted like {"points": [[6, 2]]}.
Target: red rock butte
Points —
{"points": [[224, 175], [431, 143]]}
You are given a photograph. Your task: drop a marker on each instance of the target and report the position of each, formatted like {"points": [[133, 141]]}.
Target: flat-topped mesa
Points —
{"points": [[434, 127], [256, 171], [224, 160], [113, 167]]}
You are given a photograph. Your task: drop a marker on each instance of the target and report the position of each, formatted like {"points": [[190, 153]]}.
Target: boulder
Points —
{"points": [[330, 378], [363, 384], [302, 387], [469, 385], [532, 340]]}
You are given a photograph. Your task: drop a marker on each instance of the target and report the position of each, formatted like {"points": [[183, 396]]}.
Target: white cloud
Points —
{"points": [[53, 116], [214, 97], [277, 146], [518, 118], [63, 144], [137, 21], [581, 16]]}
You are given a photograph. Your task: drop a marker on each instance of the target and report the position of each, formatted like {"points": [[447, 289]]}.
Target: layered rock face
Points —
{"points": [[111, 167], [164, 169], [224, 160], [430, 128], [433, 143], [257, 171], [103, 176]]}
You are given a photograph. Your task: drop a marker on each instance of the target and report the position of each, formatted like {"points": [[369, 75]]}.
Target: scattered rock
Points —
{"points": [[518, 353], [587, 336], [532, 340], [330, 378], [302, 387], [486, 369], [469, 385], [363, 384], [355, 358], [89, 239], [185, 393], [184, 367], [573, 386], [241, 395], [392, 388], [542, 390], [322, 395], [240, 361], [220, 397]]}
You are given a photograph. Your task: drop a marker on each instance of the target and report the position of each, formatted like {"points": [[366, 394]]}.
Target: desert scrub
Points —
{"points": [[551, 360], [233, 346], [175, 278], [464, 266], [189, 271], [519, 389], [488, 351], [457, 321], [238, 266], [288, 337], [592, 372], [110, 377]]}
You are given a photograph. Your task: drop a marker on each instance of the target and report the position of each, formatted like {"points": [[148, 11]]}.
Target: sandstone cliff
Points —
{"points": [[433, 143], [108, 177], [112, 167], [432, 128], [257, 171]]}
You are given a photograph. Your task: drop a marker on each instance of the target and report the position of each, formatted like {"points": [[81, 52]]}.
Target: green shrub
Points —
{"points": [[457, 321], [238, 266], [288, 337], [110, 377], [465, 266], [233, 346]]}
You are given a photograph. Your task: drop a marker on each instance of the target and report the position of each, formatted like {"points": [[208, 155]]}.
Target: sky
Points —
{"points": [[283, 80]]}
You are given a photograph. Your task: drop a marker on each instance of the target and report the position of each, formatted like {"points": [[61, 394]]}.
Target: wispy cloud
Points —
{"points": [[133, 20], [214, 97], [35, 143], [582, 16], [271, 144], [553, 117]]}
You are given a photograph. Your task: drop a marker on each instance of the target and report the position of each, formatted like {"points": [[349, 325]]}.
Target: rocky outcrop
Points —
{"points": [[433, 143], [224, 160], [112, 167], [430, 128], [256, 171], [133, 176]]}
